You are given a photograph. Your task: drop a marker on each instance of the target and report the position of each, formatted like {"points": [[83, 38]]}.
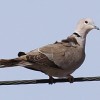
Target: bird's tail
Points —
{"points": [[9, 62]]}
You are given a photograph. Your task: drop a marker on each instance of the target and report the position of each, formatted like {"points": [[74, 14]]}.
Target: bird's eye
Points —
{"points": [[86, 22]]}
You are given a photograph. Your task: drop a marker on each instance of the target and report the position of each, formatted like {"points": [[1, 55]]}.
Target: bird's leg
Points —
{"points": [[51, 80], [70, 78]]}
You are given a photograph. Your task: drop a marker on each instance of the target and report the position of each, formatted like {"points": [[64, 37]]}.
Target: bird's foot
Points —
{"points": [[51, 80], [70, 78]]}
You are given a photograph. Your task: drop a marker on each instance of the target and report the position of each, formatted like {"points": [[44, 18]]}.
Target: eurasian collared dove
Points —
{"points": [[60, 59]]}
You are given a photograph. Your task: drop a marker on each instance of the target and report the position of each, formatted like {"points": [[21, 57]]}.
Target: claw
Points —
{"points": [[51, 80], [70, 78]]}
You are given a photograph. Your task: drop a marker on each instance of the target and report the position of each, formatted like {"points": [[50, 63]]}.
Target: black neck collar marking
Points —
{"points": [[76, 34]]}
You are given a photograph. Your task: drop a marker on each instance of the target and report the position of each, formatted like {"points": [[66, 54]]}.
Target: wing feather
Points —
{"points": [[41, 59]]}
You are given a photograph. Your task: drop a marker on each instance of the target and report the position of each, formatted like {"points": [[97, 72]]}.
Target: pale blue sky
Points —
{"points": [[29, 24]]}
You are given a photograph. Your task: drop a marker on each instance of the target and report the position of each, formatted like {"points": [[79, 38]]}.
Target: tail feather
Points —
{"points": [[9, 62]]}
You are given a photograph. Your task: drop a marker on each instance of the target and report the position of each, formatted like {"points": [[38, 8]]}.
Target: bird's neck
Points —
{"points": [[82, 31], [81, 39]]}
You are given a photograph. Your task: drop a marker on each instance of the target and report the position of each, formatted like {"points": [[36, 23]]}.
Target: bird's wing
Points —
{"points": [[40, 59], [60, 54]]}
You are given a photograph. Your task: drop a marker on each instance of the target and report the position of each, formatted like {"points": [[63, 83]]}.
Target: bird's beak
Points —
{"points": [[95, 27]]}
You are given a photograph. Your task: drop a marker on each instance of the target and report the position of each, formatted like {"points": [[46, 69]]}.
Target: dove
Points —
{"points": [[59, 59]]}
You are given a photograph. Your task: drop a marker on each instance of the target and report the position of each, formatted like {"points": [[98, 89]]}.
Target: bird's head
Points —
{"points": [[84, 26]]}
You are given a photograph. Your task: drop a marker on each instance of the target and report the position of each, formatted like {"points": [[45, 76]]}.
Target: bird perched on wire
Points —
{"points": [[59, 59]]}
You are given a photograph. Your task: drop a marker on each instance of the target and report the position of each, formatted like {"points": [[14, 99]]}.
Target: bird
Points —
{"points": [[59, 59]]}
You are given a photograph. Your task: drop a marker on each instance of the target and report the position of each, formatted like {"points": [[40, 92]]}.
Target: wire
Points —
{"points": [[79, 79]]}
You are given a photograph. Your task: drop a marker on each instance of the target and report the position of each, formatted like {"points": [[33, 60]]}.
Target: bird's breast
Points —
{"points": [[71, 59]]}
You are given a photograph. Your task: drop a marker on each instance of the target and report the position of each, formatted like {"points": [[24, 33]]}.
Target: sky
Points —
{"points": [[29, 24]]}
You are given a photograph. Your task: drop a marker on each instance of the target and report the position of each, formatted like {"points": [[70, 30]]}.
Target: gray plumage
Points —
{"points": [[59, 59]]}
